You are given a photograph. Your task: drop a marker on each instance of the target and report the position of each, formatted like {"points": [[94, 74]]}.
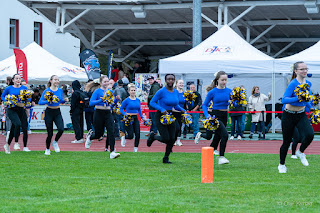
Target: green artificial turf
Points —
{"points": [[139, 182]]}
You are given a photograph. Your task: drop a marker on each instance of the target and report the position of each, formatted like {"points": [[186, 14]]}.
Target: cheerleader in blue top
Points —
{"points": [[166, 101], [132, 106], [219, 94], [102, 117], [182, 101], [16, 114], [294, 116], [53, 97]]}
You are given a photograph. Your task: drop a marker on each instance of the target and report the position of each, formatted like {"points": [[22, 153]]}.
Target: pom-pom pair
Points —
{"points": [[128, 120], [147, 122], [11, 101], [186, 119], [302, 92], [238, 97], [211, 123], [108, 97], [315, 117], [25, 95], [50, 97], [167, 119], [189, 96]]}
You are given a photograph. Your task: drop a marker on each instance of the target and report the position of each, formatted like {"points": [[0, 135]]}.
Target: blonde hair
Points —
{"points": [[49, 82], [93, 85], [175, 84], [130, 86]]}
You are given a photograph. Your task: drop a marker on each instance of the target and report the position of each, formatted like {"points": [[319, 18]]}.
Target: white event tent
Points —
{"points": [[42, 65]]}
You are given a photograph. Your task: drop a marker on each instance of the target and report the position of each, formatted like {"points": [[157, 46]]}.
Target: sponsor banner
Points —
{"points": [[91, 64], [145, 113], [36, 118], [21, 62], [217, 50]]}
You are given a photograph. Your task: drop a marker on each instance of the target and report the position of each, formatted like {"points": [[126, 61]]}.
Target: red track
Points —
{"points": [[37, 142]]}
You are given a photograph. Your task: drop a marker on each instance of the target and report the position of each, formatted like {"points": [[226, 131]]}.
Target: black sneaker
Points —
{"points": [[166, 160], [242, 136], [150, 139], [184, 136], [192, 138], [250, 136]]}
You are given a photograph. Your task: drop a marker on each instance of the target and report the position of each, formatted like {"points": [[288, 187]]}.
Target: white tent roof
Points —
{"points": [[310, 56], [224, 50], [42, 65]]}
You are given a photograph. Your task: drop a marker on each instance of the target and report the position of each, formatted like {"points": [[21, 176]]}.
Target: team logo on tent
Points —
{"points": [[217, 50], [71, 70], [4, 69]]}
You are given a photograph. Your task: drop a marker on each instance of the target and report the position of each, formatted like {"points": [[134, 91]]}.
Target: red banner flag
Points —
{"points": [[21, 62]]}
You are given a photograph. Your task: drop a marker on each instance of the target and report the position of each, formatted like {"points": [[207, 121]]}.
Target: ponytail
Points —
{"points": [[295, 67], [214, 83], [49, 82]]}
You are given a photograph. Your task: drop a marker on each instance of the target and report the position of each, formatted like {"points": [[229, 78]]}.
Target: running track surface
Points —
{"points": [[36, 142]]}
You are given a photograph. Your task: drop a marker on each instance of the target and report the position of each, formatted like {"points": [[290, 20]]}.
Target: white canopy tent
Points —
{"points": [[42, 65], [310, 56]]}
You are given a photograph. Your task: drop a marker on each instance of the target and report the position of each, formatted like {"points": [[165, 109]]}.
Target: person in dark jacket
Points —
{"points": [[154, 88], [76, 112], [194, 106], [236, 118]]}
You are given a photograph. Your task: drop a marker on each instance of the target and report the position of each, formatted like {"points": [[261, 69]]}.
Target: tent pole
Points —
{"points": [[273, 98], [196, 28]]}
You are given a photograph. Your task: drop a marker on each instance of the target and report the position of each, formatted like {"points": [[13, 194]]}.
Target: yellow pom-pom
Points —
{"points": [[211, 123], [50, 97], [128, 120], [167, 119], [186, 118], [189, 96], [315, 117], [24, 95], [315, 99], [302, 92], [116, 109], [211, 105], [108, 97], [147, 122], [11, 101], [238, 96]]}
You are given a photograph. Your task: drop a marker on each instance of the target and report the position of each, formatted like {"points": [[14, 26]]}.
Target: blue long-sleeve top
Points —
{"points": [[181, 99], [164, 100], [131, 106], [58, 93], [289, 96], [220, 99], [96, 100], [10, 90]]}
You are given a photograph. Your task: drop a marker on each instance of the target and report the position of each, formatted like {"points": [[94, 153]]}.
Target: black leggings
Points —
{"points": [[221, 134], [53, 115], [296, 139], [18, 118], [168, 133], [291, 121], [134, 128], [103, 119], [177, 115]]}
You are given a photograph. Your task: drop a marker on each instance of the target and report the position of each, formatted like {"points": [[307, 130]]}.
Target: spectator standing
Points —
{"points": [[154, 88], [257, 103], [194, 106], [35, 96], [115, 74]]}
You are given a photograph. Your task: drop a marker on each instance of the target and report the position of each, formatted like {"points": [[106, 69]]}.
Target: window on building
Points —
{"points": [[14, 33], [38, 33]]}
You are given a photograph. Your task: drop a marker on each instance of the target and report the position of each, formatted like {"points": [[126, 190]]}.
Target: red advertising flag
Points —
{"points": [[21, 62]]}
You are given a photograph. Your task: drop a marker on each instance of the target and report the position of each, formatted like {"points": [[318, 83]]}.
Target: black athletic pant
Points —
{"points": [[18, 118], [77, 123], [89, 120], [168, 133], [53, 115], [177, 115], [101, 119], [221, 134], [290, 121], [134, 128], [296, 139]]}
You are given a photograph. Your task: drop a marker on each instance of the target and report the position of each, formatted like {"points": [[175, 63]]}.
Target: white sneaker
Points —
{"points": [[239, 137], [114, 155], [302, 157], [29, 132], [55, 146], [231, 138], [26, 149], [123, 141], [294, 157], [216, 152], [282, 168], [6, 148], [16, 146], [47, 152], [135, 149], [77, 141], [223, 160], [178, 142], [197, 138], [88, 141]]}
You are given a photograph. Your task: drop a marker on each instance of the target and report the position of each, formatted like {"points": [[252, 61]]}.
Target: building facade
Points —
{"points": [[20, 26]]}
